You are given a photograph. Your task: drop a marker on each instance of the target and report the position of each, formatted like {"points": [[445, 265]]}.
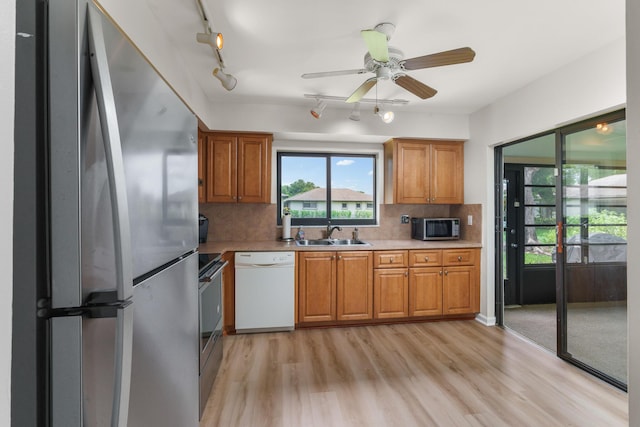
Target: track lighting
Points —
{"points": [[355, 112], [227, 80], [214, 39], [385, 115], [316, 111]]}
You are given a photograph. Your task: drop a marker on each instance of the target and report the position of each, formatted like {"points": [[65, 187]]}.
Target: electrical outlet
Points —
{"points": [[404, 219]]}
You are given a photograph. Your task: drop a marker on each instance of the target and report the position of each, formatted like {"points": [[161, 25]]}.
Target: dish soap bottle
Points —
{"points": [[300, 234]]}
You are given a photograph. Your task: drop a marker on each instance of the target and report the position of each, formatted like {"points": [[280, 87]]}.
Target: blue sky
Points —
{"points": [[355, 173]]}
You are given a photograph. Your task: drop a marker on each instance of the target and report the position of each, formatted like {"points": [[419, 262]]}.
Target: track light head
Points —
{"points": [[316, 111], [214, 39], [385, 116], [355, 112], [227, 80]]}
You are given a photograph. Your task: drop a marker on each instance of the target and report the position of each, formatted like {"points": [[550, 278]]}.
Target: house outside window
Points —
{"points": [[319, 188]]}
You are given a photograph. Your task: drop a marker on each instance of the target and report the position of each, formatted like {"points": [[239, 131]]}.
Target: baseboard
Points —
{"points": [[487, 321]]}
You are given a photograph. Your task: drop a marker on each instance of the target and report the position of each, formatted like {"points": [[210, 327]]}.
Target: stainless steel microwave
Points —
{"points": [[435, 228]]}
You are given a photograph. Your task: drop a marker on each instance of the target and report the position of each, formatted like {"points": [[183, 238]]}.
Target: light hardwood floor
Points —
{"points": [[457, 373]]}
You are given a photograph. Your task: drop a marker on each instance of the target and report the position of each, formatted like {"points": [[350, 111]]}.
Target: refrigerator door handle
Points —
{"points": [[123, 356], [113, 152]]}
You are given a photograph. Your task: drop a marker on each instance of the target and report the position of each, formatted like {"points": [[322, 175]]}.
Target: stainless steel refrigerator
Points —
{"points": [[123, 226]]}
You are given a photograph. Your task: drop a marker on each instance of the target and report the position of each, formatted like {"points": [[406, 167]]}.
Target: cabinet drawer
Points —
{"points": [[431, 258], [390, 259], [459, 256]]}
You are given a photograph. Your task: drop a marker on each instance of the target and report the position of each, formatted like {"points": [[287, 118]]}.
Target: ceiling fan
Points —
{"points": [[388, 63]]}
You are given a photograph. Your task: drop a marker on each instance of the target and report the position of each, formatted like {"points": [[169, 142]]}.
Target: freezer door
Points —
{"points": [[159, 146], [164, 381]]}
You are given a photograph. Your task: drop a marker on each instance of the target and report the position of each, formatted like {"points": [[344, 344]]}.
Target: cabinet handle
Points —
{"points": [[239, 197], [440, 272], [339, 256], [390, 260], [333, 257], [406, 274], [426, 259], [459, 258], [446, 272]]}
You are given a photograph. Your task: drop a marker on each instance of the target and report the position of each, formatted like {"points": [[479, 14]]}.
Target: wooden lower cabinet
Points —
{"points": [[355, 285], [317, 286], [335, 286], [425, 291], [460, 290], [390, 293], [343, 286]]}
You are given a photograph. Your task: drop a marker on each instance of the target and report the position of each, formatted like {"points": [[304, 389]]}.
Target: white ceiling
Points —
{"points": [[269, 44]]}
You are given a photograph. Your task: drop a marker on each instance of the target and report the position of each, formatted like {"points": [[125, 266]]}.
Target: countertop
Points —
{"points": [[268, 245]]}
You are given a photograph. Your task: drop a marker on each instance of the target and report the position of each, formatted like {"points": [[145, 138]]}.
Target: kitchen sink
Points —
{"points": [[331, 242]]}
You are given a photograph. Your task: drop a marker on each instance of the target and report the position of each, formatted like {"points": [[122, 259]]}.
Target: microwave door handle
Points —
{"points": [[120, 214]]}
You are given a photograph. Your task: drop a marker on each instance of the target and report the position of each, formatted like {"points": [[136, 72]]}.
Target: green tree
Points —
{"points": [[297, 187]]}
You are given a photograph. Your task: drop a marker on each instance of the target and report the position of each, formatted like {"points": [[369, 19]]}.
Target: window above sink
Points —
{"points": [[323, 188]]}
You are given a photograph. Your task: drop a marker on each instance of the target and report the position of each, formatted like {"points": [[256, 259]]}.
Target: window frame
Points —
{"points": [[326, 220]]}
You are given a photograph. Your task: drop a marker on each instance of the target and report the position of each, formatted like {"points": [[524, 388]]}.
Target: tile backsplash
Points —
{"points": [[241, 222]]}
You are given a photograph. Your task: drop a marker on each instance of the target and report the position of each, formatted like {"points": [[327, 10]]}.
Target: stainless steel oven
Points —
{"points": [[210, 313]]}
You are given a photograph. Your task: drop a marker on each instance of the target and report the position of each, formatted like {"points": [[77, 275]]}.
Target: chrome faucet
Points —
{"points": [[331, 229]]}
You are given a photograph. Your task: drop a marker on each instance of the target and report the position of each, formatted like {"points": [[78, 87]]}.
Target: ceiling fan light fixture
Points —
{"points": [[228, 81], [214, 39], [317, 111]]}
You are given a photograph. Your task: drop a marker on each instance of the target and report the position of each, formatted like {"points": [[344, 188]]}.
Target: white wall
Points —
{"points": [[591, 85], [633, 205], [7, 43]]}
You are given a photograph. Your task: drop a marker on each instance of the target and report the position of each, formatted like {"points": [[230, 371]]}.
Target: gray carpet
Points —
{"points": [[596, 332]]}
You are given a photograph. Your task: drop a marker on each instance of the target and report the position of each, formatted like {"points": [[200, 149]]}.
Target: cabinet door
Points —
{"points": [[460, 290], [390, 293], [447, 174], [317, 286], [412, 180], [355, 285], [202, 162], [254, 172], [229, 293], [425, 291], [221, 168]]}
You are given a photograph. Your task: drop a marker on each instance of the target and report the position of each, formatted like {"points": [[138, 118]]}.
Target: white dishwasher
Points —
{"points": [[265, 291]]}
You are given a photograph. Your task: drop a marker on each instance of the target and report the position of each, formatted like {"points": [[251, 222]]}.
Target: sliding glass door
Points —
{"points": [[563, 269], [593, 248]]}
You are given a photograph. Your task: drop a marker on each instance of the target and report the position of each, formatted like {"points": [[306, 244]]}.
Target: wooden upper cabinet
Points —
{"points": [[254, 169], [238, 168], [447, 173], [424, 172]]}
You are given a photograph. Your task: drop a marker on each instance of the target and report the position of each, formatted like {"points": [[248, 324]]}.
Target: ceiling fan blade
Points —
{"points": [[376, 44], [417, 88], [333, 73], [362, 90], [449, 57]]}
